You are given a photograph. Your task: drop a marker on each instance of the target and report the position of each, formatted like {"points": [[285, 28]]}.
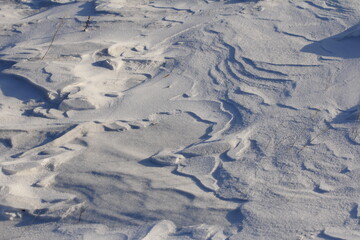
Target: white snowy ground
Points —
{"points": [[179, 119]]}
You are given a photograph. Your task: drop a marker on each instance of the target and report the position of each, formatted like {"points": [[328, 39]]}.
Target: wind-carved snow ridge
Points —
{"points": [[179, 119], [353, 32]]}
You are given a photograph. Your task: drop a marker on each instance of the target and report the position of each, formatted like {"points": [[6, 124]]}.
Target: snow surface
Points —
{"points": [[179, 119]]}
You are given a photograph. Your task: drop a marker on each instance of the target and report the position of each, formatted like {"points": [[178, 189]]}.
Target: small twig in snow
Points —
{"points": [[82, 209], [87, 24]]}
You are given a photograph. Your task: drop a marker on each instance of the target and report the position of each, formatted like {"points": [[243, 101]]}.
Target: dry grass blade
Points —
{"points": [[53, 38], [311, 140]]}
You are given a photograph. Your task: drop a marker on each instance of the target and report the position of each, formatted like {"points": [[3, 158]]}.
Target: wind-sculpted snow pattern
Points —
{"points": [[179, 119]]}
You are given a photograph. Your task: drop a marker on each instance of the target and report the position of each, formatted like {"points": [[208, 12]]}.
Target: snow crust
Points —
{"points": [[179, 119]]}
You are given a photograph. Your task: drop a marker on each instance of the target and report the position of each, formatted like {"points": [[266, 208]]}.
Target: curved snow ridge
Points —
{"points": [[162, 230], [341, 233], [352, 32], [17, 85], [29, 177], [22, 88]]}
